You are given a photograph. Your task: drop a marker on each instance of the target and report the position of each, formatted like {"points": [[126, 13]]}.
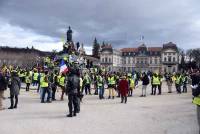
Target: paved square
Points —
{"points": [[165, 114]]}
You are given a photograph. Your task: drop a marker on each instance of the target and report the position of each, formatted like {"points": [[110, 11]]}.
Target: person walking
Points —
{"points": [[62, 85], [178, 82], [155, 82], [145, 82], [54, 83], [111, 86], [169, 82], [185, 81], [195, 76], [87, 82], [14, 86], [28, 80], [45, 88], [3, 86], [72, 90], [100, 85], [123, 88]]}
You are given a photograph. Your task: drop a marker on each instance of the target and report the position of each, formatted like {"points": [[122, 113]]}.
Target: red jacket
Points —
{"points": [[123, 87]]}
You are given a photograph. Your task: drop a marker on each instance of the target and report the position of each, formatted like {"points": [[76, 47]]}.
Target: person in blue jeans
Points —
{"points": [[45, 88], [100, 85]]}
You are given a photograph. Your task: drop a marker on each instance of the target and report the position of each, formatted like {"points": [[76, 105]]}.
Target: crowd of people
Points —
{"points": [[77, 82]]}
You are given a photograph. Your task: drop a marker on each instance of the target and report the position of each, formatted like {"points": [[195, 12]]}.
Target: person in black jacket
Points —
{"points": [[15, 85], [3, 86], [145, 82], [73, 89]]}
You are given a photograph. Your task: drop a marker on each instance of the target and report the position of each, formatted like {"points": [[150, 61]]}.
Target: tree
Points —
{"points": [[182, 64], [96, 48], [194, 55]]}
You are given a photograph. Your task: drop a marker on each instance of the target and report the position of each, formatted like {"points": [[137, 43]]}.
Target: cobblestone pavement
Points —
{"points": [[165, 114]]}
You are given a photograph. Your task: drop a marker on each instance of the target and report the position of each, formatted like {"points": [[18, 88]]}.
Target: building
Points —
{"points": [[111, 58], [24, 57], [143, 58]]}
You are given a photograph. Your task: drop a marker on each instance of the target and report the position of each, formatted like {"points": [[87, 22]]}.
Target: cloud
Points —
{"points": [[118, 22]]}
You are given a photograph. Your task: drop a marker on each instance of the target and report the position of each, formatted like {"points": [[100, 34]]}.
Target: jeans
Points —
{"points": [[184, 88], [46, 89], [178, 88], [101, 92], [73, 103], [1, 99], [198, 116], [144, 87], [87, 89], [12, 100]]}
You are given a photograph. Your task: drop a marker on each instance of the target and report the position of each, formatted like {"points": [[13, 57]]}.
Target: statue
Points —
{"points": [[69, 35]]}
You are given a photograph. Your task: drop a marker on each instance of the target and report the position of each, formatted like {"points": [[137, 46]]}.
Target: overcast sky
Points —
{"points": [[42, 23]]}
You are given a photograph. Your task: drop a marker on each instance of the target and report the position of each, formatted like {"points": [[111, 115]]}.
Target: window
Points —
{"points": [[102, 60], [169, 53], [150, 60], [109, 59], [106, 59], [133, 61], [174, 59], [165, 59], [145, 61], [169, 58], [165, 53], [174, 69], [138, 60], [129, 60], [156, 60]]}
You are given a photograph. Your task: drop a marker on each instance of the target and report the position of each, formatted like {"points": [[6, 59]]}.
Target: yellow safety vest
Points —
{"points": [[87, 79], [156, 80], [62, 81], [178, 80], [100, 81], [43, 82], [28, 79], [113, 80], [132, 83], [35, 76], [196, 100]]}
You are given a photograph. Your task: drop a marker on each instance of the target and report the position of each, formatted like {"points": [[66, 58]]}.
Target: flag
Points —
{"points": [[63, 67]]}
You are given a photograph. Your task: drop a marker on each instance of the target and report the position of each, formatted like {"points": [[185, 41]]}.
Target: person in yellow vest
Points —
{"points": [[184, 81], [155, 82], [35, 78], [195, 76], [54, 83], [28, 80], [45, 86], [100, 85], [131, 85], [160, 84], [111, 86], [87, 82], [62, 85], [178, 82]]}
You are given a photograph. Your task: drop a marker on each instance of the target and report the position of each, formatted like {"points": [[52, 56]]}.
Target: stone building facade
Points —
{"points": [[24, 57], [143, 58]]}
